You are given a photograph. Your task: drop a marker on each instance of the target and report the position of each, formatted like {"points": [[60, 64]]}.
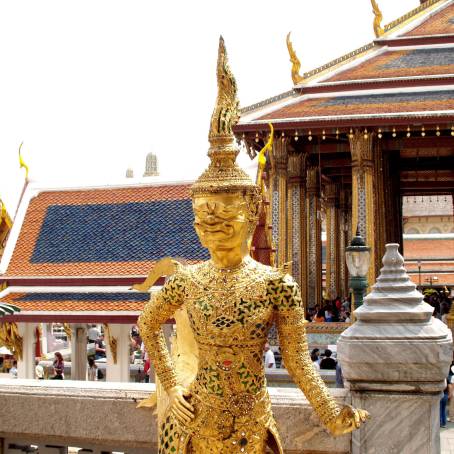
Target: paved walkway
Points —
{"points": [[447, 439]]}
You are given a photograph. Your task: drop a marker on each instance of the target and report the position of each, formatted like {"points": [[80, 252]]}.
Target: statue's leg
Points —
{"points": [[170, 436]]}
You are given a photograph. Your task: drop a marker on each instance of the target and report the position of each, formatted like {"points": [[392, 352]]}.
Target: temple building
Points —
{"points": [[355, 137], [73, 255]]}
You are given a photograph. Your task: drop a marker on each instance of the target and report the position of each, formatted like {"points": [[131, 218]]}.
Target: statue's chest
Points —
{"points": [[230, 312]]}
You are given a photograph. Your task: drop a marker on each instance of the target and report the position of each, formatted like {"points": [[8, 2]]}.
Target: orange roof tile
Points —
{"points": [[401, 63], [440, 23], [72, 245], [365, 104], [87, 304]]}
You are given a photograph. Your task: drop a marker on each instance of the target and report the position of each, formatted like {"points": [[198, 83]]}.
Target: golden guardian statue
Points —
{"points": [[230, 302]]}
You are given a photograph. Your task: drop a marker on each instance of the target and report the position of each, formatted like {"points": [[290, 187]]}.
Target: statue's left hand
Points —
{"points": [[347, 420]]}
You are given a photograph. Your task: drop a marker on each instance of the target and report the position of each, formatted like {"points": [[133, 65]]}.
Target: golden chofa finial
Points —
{"points": [[296, 64], [22, 162], [378, 29]]}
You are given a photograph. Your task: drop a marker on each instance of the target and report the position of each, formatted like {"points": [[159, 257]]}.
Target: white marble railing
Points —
{"points": [[102, 417]]}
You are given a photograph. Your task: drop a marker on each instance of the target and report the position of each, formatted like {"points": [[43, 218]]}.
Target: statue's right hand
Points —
{"points": [[179, 406]]}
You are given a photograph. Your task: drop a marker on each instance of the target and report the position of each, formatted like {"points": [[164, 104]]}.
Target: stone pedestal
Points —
{"points": [[26, 364], [395, 359], [79, 362], [120, 341]]}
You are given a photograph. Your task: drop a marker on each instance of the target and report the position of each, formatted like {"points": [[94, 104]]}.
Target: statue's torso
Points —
{"points": [[230, 313]]}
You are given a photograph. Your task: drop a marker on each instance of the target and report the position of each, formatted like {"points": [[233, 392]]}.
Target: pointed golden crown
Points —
{"points": [[223, 174]]}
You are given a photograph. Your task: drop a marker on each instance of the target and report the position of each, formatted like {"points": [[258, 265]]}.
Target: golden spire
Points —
{"points": [[22, 162], [378, 29], [296, 64], [223, 173]]}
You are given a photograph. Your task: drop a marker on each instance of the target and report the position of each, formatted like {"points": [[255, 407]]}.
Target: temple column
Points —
{"points": [[363, 203], [343, 241], [332, 241], [26, 362], [117, 341], [296, 218], [78, 352], [279, 199], [314, 238]]}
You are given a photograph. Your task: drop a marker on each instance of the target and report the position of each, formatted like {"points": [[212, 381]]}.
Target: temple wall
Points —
{"points": [[103, 417]]}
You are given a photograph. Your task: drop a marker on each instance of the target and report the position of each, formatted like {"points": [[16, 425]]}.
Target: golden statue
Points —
{"points": [[221, 404]]}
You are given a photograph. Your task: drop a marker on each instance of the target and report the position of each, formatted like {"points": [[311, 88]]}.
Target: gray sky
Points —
{"points": [[92, 86]]}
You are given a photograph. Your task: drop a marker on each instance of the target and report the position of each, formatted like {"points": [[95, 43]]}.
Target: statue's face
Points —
{"points": [[221, 221]]}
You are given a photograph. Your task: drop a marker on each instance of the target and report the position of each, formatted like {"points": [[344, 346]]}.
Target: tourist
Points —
{"points": [[451, 393], [100, 348], [347, 317], [92, 373], [443, 404], [320, 317], [270, 361], [315, 357], [444, 313], [39, 370], [93, 334], [339, 376], [327, 362], [13, 370], [59, 366], [329, 316]]}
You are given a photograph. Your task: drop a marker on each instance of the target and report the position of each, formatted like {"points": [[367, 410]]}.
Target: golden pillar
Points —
{"points": [[344, 235], [363, 200], [279, 160], [314, 238], [296, 218], [333, 240]]}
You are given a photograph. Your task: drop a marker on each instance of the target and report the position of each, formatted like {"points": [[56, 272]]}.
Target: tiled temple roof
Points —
{"points": [[401, 63], [105, 232], [441, 23], [361, 104], [396, 63], [67, 301]]}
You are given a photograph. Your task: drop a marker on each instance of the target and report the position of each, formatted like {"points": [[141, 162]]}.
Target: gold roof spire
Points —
{"points": [[223, 173], [378, 17], [296, 64], [22, 162]]}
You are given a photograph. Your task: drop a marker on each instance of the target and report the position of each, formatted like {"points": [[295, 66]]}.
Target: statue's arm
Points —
{"points": [[290, 321], [157, 311]]}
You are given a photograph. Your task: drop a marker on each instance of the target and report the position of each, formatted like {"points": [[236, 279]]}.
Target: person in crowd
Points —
{"points": [[327, 362], [451, 392], [320, 317], [39, 370], [329, 315], [444, 313], [339, 376], [315, 356], [93, 334], [270, 361], [92, 373], [443, 404], [100, 348], [348, 318], [13, 370], [59, 366]]}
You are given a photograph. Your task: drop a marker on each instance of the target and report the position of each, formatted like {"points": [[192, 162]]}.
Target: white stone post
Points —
{"points": [[26, 365], [120, 370], [395, 359], [79, 362]]}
